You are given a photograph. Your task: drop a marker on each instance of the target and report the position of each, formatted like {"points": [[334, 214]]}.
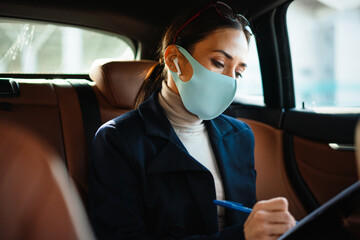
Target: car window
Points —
{"points": [[249, 90], [36, 47], [324, 38]]}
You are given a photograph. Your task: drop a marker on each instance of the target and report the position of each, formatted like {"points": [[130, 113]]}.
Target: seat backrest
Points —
{"points": [[116, 84], [36, 107], [51, 109], [37, 199]]}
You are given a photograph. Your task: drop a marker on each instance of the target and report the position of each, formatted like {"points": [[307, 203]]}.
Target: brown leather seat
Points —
{"points": [[37, 199], [116, 86], [118, 83], [51, 109]]}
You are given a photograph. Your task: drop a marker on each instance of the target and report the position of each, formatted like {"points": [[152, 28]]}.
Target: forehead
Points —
{"points": [[230, 40]]}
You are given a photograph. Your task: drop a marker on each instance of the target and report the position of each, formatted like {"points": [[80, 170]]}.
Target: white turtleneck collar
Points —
{"points": [[175, 109]]}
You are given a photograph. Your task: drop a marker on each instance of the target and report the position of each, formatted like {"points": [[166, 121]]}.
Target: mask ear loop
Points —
{"points": [[176, 63]]}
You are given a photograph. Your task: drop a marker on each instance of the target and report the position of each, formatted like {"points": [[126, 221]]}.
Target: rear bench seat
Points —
{"points": [[51, 109]]}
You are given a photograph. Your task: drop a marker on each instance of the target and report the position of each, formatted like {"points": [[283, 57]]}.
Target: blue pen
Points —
{"points": [[232, 205]]}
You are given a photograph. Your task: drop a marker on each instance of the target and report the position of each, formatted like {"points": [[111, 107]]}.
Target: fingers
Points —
{"points": [[274, 204], [269, 219], [268, 229], [275, 217]]}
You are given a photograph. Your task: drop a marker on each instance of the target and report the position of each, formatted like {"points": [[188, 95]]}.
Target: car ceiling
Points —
{"points": [[153, 11], [141, 20]]}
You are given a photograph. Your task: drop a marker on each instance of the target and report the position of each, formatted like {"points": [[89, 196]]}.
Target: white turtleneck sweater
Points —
{"points": [[193, 134]]}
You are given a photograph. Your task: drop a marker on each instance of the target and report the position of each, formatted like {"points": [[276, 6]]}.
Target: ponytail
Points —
{"points": [[151, 83]]}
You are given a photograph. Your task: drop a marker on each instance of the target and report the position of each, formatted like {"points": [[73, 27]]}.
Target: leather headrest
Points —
{"points": [[120, 81]]}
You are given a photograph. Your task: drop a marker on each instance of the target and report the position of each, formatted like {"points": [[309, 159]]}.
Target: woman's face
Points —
{"points": [[223, 51]]}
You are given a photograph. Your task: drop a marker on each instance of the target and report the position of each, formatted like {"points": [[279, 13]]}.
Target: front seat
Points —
{"points": [[37, 199]]}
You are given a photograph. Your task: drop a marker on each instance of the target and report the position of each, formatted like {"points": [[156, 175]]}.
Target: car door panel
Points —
{"points": [[272, 178], [325, 171], [319, 172]]}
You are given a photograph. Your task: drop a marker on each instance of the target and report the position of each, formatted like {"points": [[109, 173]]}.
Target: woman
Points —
{"points": [[156, 170]]}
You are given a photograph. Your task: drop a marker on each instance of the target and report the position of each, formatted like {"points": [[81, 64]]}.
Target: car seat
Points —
{"points": [[37, 198]]}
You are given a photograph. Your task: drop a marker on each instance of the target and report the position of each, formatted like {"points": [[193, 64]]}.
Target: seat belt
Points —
{"points": [[90, 110]]}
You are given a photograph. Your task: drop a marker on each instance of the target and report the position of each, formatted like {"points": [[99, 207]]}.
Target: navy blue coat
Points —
{"points": [[143, 184]]}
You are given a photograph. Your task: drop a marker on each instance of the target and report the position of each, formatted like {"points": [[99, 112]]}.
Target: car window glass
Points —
{"points": [[35, 47], [324, 39], [249, 87]]}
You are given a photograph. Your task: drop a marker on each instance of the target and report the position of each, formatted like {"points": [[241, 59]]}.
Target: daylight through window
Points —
{"points": [[324, 39], [32, 47]]}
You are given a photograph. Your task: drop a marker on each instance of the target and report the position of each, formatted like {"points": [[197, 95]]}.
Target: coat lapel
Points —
{"points": [[173, 157], [231, 153], [217, 130], [224, 139]]}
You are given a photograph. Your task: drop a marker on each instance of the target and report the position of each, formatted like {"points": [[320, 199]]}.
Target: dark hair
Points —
{"points": [[195, 31]]}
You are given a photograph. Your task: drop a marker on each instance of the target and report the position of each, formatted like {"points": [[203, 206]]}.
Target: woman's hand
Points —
{"points": [[269, 219]]}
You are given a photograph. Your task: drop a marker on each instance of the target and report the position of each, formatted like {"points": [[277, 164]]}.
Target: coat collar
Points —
{"points": [[174, 156], [154, 118]]}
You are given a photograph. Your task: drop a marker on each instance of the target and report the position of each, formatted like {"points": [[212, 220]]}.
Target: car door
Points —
{"points": [[304, 129]]}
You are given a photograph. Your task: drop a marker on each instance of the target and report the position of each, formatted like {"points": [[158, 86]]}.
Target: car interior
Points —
{"points": [[37, 200], [301, 154]]}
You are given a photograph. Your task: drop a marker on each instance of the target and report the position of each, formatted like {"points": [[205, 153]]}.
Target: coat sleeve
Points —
{"points": [[116, 201]]}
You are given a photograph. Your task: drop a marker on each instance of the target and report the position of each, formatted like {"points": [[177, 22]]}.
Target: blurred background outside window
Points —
{"points": [[250, 89], [324, 39], [32, 47]]}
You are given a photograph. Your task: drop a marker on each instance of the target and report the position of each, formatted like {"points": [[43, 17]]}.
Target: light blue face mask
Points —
{"points": [[207, 94]]}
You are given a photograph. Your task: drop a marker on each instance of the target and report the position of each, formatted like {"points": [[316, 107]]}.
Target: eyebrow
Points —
{"points": [[229, 56]]}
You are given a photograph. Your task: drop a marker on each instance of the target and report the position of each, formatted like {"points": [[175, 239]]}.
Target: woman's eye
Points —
{"points": [[238, 75], [217, 63]]}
